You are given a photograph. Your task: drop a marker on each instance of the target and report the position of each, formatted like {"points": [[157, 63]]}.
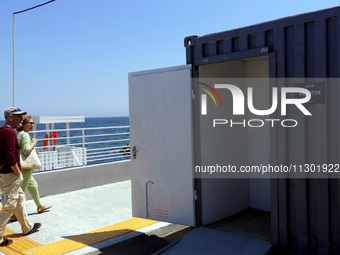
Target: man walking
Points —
{"points": [[11, 177]]}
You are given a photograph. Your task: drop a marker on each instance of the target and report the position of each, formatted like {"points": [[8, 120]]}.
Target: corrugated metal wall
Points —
{"points": [[305, 212]]}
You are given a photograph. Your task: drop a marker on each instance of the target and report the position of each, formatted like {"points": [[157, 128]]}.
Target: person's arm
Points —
{"points": [[10, 152], [16, 169], [33, 144], [26, 144]]}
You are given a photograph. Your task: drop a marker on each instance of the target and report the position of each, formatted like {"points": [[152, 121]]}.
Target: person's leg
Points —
{"points": [[7, 207], [20, 211], [33, 190], [14, 202], [26, 174], [21, 214]]}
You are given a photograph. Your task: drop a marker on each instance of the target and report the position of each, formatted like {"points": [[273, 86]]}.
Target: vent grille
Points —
{"points": [[161, 213]]}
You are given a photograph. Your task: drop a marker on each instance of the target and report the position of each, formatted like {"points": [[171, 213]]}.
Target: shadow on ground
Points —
{"points": [[141, 245]]}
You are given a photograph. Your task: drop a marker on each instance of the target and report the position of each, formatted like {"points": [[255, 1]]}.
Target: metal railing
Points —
{"points": [[82, 146]]}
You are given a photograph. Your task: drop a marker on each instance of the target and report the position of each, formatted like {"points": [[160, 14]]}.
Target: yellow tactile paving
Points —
{"points": [[90, 238], [21, 244]]}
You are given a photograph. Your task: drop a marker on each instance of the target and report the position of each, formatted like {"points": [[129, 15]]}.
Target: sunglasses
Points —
{"points": [[18, 116], [31, 123]]}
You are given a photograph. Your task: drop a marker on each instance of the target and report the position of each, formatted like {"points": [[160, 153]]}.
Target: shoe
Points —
{"points": [[42, 208], [13, 218], [6, 242], [35, 228]]}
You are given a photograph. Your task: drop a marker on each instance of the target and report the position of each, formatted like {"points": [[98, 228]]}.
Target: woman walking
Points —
{"points": [[27, 144]]}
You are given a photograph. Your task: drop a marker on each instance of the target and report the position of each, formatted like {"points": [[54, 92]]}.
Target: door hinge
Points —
{"points": [[193, 94]]}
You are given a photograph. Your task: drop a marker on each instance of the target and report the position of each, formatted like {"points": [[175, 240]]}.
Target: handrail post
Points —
{"points": [[68, 140], [84, 152]]}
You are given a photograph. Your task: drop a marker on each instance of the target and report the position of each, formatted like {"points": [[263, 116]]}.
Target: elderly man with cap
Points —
{"points": [[13, 197]]}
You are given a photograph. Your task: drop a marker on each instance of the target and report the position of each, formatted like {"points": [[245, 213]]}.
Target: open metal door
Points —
{"points": [[161, 134]]}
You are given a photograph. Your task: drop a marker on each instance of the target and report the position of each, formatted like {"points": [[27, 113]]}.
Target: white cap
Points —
{"points": [[13, 110]]}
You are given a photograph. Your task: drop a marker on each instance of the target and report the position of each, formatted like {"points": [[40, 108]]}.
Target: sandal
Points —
{"points": [[42, 208], [6, 242]]}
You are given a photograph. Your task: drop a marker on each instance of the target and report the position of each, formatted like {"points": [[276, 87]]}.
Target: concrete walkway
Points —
{"points": [[78, 212], [86, 221]]}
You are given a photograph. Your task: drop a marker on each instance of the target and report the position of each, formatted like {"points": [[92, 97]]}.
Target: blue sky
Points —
{"points": [[73, 56]]}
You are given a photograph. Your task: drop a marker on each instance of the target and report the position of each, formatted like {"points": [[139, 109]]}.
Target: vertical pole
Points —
{"points": [[14, 41], [47, 154], [52, 140], [68, 134], [48, 133], [84, 152], [68, 140], [13, 59]]}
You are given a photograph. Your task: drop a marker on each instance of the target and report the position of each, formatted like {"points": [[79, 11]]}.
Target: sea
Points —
{"points": [[95, 139], [90, 122]]}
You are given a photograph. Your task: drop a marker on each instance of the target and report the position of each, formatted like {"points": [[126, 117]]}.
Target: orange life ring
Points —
{"points": [[53, 138], [45, 143]]}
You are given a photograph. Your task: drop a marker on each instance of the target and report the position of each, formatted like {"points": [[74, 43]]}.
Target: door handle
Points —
{"points": [[134, 152]]}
